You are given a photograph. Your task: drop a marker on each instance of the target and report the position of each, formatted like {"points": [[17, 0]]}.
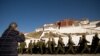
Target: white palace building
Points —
{"points": [[63, 28]]}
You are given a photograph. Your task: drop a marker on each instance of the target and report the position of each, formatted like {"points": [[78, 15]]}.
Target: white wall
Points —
{"points": [[65, 39], [73, 29]]}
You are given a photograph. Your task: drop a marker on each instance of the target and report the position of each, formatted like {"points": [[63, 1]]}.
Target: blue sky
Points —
{"points": [[31, 14]]}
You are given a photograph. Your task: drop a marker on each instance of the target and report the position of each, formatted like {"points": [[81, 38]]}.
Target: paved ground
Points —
{"points": [[60, 55]]}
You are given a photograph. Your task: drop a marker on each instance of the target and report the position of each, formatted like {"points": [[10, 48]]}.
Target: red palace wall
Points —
{"points": [[65, 23]]}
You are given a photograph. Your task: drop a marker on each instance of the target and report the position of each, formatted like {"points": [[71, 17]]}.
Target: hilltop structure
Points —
{"points": [[65, 27], [62, 28]]}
